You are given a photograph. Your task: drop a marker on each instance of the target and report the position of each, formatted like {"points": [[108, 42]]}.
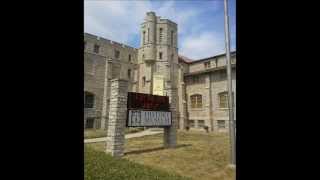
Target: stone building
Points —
{"points": [[197, 86]]}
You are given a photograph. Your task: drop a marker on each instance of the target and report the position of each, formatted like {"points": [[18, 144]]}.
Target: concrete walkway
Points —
{"points": [[127, 136]]}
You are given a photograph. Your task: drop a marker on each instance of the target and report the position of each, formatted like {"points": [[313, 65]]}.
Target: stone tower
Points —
{"points": [[158, 52], [158, 56]]}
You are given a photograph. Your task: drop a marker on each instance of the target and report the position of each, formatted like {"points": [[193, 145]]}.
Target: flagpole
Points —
{"points": [[229, 84]]}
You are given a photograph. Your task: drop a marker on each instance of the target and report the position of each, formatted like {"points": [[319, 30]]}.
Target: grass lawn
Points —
{"points": [[96, 133], [199, 155], [101, 166]]}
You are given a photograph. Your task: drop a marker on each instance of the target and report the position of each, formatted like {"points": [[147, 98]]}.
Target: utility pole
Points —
{"points": [[230, 97]]}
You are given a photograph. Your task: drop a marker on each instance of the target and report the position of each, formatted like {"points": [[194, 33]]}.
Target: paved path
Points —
{"points": [[127, 136]]}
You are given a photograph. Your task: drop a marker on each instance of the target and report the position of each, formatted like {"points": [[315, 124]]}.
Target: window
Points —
{"points": [[129, 57], [160, 35], [196, 101], [143, 81], [89, 123], [148, 35], [89, 100], [96, 48], [129, 73], [207, 64], [221, 124], [160, 55], [142, 56], [201, 123], [191, 123], [117, 54], [172, 38], [144, 37], [223, 99]]}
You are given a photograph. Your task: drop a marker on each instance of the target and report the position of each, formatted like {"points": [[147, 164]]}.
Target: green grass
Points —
{"points": [[199, 155], [101, 166], [96, 133]]}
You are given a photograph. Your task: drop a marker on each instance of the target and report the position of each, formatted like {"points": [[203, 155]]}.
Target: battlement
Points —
{"points": [[107, 41]]}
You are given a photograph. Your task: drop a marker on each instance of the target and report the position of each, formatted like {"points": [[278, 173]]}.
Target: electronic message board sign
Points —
{"points": [[147, 110]]}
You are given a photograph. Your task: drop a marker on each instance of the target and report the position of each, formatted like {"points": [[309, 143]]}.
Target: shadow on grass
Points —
{"points": [[154, 149]]}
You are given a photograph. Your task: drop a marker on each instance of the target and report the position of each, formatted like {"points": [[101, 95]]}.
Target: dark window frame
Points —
{"points": [[89, 100], [91, 124], [96, 48]]}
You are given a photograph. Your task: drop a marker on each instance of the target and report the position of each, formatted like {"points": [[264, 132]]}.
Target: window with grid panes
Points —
{"points": [[196, 101]]}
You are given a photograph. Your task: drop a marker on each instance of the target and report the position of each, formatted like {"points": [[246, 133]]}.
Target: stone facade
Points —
{"points": [[157, 55]]}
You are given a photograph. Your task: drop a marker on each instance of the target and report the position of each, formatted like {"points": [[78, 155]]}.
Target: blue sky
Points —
{"points": [[200, 22]]}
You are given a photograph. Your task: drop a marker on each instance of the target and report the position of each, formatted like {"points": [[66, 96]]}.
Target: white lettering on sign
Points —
{"points": [[148, 118]]}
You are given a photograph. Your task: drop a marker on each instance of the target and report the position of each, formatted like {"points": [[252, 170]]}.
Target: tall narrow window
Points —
{"points": [[172, 38], [223, 100], [160, 35], [148, 35], [96, 48], [88, 100], [143, 81], [116, 54], [129, 57], [144, 37], [160, 55], [129, 73]]}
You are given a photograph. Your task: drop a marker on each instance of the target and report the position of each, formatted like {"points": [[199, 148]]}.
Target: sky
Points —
{"points": [[200, 22]]}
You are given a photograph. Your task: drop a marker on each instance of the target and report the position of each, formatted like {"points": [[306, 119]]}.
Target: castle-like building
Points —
{"points": [[197, 87]]}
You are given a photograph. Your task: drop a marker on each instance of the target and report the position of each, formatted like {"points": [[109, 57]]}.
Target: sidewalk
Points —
{"points": [[127, 136]]}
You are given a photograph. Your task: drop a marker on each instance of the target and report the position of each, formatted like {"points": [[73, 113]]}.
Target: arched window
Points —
{"points": [[89, 100], [196, 101]]}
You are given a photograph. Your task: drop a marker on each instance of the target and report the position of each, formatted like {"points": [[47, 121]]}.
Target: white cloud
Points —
{"points": [[120, 21], [115, 20], [206, 44]]}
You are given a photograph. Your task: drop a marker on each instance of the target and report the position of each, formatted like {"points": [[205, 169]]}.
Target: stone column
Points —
{"points": [[107, 74], [117, 117], [170, 133]]}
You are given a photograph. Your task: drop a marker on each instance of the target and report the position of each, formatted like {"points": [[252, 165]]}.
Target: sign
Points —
{"points": [[138, 118], [158, 85], [147, 102], [147, 110]]}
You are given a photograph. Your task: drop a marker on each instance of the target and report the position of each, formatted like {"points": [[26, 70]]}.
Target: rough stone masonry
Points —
{"points": [[117, 117]]}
